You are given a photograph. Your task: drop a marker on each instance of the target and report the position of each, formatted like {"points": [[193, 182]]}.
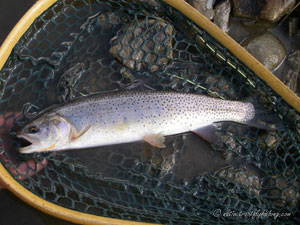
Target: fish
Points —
{"points": [[129, 116]]}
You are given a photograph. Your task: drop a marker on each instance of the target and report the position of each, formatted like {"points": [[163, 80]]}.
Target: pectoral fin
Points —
{"points": [[76, 134], [156, 140]]}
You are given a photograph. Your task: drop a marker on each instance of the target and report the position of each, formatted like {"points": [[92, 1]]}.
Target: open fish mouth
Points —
{"points": [[27, 145], [30, 145], [24, 142]]}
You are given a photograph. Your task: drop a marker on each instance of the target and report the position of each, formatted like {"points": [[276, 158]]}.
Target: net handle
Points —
{"points": [[262, 72]]}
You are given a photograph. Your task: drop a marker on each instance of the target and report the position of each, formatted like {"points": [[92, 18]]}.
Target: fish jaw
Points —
{"points": [[28, 149], [35, 145], [36, 148]]}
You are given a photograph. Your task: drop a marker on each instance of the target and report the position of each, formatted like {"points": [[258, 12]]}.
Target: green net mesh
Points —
{"points": [[86, 46]]}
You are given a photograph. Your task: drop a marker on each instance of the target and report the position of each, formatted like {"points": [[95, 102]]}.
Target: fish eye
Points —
{"points": [[33, 129]]}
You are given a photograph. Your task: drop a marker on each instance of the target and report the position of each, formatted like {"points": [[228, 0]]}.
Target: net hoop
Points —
{"points": [[84, 218]]}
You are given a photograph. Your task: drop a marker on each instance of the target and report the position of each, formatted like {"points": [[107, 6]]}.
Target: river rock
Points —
{"points": [[205, 7], [271, 10], [265, 48], [292, 70], [222, 13], [150, 2], [297, 36], [283, 193], [248, 179], [238, 31], [143, 45], [293, 25]]}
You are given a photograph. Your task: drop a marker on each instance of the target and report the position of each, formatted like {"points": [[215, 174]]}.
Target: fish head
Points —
{"points": [[44, 133]]}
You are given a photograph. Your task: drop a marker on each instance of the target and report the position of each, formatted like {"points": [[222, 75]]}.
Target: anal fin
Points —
{"points": [[208, 133], [156, 140]]}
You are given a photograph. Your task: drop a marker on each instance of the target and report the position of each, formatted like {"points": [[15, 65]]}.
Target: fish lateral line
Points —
{"points": [[110, 112]]}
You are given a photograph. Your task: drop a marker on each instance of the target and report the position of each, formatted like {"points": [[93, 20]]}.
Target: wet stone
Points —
{"points": [[168, 163], [283, 192], [292, 70], [298, 125], [205, 7], [150, 58], [293, 203], [109, 18], [149, 46], [125, 52], [219, 85], [289, 194], [222, 15], [246, 9], [114, 19], [143, 45], [276, 194], [150, 2], [270, 10], [297, 36], [237, 30], [281, 183], [265, 48], [137, 43], [164, 161], [68, 81], [293, 24], [269, 141], [138, 55], [229, 141], [275, 9], [244, 177]]}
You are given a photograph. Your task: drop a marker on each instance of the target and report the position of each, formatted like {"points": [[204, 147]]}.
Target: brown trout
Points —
{"points": [[122, 117]]}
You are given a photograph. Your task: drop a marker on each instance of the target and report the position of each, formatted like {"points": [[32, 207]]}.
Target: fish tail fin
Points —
{"points": [[263, 117]]}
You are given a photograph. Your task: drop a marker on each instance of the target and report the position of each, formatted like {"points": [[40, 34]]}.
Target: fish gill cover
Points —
{"points": [[82, 47]]}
